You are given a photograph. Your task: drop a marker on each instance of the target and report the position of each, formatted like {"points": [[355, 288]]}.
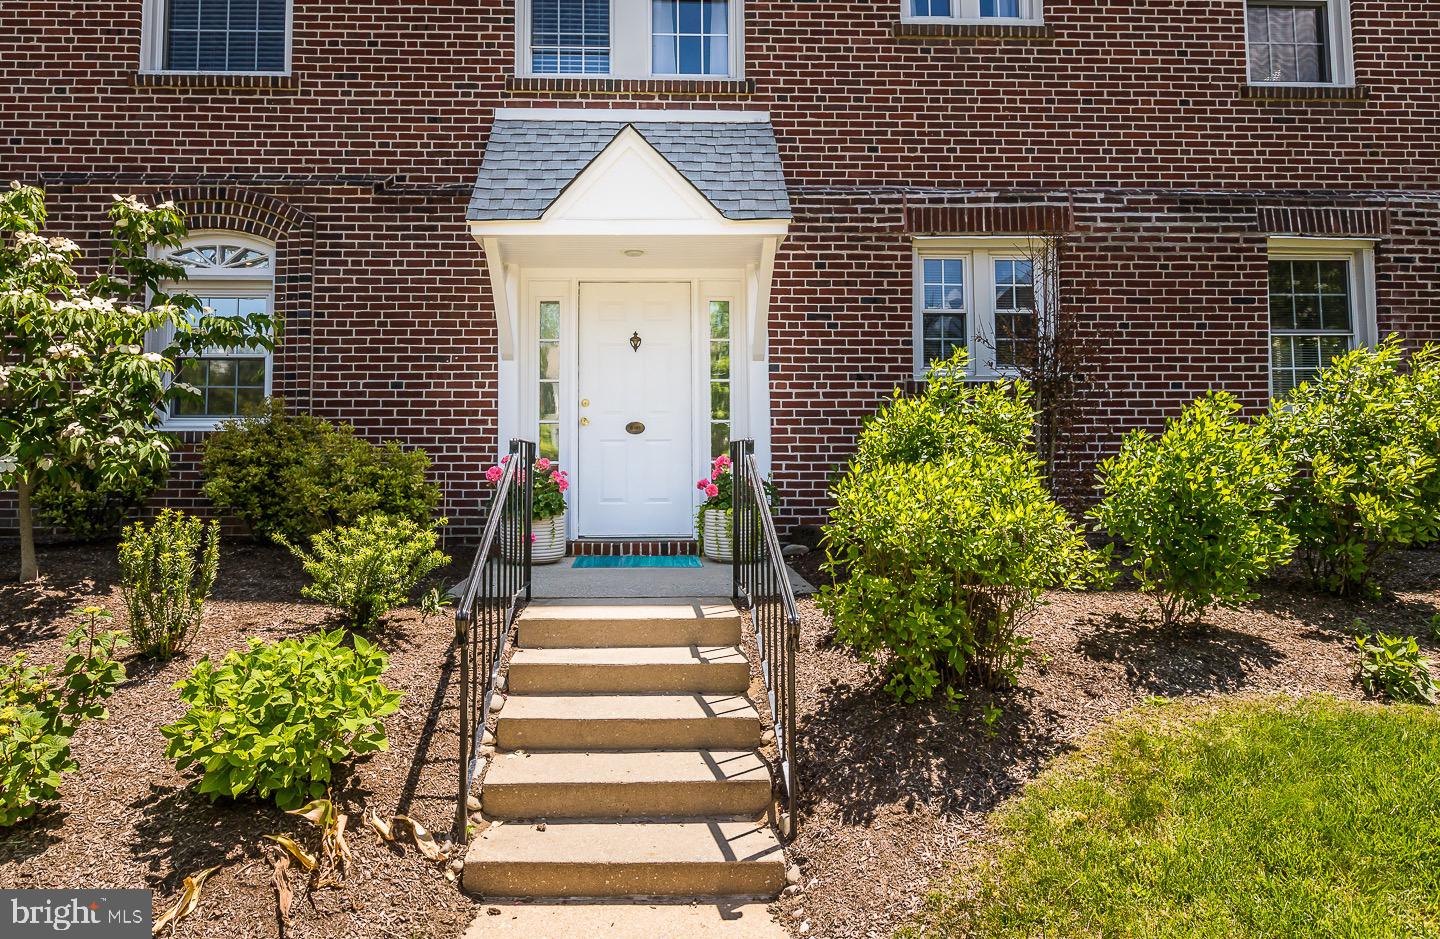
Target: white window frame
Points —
{"points": [[1338, 45], [1359, 254], [1032, 13], [631, 36], [224, 283], [152, 43], [979, 254]]}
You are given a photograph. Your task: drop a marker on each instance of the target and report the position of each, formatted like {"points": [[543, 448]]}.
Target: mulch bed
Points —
{"points": [[127, 818], [893, 796]]}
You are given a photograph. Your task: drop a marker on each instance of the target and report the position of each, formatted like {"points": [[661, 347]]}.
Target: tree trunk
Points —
{"points": [[29, 568]]}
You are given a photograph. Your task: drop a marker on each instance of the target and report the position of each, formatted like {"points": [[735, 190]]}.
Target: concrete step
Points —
{"points": [[625, 859], [676, 783], [562, 624], [628, 722], [625, 919], [639, 670]]}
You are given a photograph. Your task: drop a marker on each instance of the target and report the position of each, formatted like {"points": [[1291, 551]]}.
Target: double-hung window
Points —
{"points": [[1322, 305], [1298, 42], [217, 36], [231, 276], [630, 38], [971, 11], [979, 294]]}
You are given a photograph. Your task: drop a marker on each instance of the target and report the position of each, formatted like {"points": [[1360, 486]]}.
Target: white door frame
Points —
{"points": [[519, 396]]}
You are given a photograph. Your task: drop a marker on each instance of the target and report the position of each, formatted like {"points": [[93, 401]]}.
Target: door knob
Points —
{"points": [[584, 422], [584, 402]]}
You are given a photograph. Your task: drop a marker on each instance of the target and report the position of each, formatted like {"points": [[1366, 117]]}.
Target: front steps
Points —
{"points": [[627, 761]]}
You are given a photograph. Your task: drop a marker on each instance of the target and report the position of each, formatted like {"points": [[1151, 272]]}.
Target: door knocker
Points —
{"points": [[635, 341]]}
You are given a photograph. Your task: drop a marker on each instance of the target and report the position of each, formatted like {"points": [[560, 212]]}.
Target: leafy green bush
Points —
{"points": [[40, 710], [367, 569], [166, 574], [1196, 505], [277, 717], [1365, 436], [90, 507], [293, 475], [1393, 665], [942, 543]]}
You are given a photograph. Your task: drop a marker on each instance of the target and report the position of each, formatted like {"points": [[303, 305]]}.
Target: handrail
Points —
{"points": [[760, 584], [497, 590]]}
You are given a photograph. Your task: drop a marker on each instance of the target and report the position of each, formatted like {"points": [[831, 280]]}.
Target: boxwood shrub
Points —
{"points": [[943, 537], [1197, 508], [293, 475], [1365, 436]]}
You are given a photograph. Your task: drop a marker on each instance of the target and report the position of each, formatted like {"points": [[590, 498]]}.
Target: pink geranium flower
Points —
{"points": [[494, 473], [542, 464], [711, 491], [703, 484], [722, 461]]}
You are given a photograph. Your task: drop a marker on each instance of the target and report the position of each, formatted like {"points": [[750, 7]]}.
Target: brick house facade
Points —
{"points": [[1148, 132]]}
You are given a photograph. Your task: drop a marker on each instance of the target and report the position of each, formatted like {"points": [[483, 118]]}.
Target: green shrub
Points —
{"points": [[1365, 437], [367, 569], [275, 718], [40, 710], [1393, 666], [166, 574], [90, 507], [293, 476], [1196, 505], [941, 560]]}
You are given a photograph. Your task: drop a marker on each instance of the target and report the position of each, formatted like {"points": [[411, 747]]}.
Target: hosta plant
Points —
{"points": [[367, 569], [167, 570], [1394, 667], [1197, 507], [41, 707], [276, 718]]}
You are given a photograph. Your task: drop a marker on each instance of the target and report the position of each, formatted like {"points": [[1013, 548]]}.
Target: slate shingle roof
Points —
{"points": [[528, 164]]}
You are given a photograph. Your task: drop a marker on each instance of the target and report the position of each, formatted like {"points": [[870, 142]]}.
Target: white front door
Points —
{"points": [[636, 411]]}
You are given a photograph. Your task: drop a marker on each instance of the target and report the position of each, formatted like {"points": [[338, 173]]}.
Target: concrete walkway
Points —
{"points": [[562, 580]]}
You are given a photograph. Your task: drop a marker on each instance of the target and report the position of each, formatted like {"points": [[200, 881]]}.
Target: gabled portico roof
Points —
{"points": [[529, 163]]}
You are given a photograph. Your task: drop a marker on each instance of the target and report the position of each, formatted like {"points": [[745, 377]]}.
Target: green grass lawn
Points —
{"points": [[1285, 818]]}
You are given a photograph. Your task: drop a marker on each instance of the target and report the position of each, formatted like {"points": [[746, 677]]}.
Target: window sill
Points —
{"points": [[192, 425], [570, 85], [257, 80], [1263, 92], [931, 31]]}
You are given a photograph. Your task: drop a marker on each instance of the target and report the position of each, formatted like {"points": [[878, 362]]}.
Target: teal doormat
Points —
{"points": [[630, 560]]}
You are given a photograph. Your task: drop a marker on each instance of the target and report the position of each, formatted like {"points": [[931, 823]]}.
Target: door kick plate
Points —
{"points": [[634, 427]]}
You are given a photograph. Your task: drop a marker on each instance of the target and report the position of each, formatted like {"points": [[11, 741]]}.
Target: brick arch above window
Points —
{"points": [[260, 215]]}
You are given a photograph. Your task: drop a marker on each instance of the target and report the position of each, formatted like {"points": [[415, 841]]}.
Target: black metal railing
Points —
{"points": [[761, 586], [498, 589]]}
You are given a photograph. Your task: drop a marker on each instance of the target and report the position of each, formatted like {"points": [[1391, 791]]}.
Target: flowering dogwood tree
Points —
{"points": [[78, 389]]}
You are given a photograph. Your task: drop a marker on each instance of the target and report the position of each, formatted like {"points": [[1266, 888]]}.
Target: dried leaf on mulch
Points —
{"points": [[189, 900]]}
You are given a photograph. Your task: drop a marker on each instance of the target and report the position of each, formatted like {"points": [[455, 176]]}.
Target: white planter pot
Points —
{"points": [[549, 544], [716, 534]]}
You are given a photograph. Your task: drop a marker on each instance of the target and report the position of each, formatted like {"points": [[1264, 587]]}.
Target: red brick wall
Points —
{"points": [[1133, 115]]}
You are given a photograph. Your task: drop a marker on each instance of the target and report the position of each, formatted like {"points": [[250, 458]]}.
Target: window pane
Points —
{"points": [[720, 360], [691, 37], [225, 35], [720, 400], [719, 319], [1288, 42], [719, 438], [220, 402], [549, 441], [550, 320], [570, 36], [221, 372], [549, 360], [549, 401], [930, 8], [1000, 8], [250, 372], [249, 400]]}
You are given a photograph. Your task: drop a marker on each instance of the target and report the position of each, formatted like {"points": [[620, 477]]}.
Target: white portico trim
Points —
{"points": [[629, 223]]}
